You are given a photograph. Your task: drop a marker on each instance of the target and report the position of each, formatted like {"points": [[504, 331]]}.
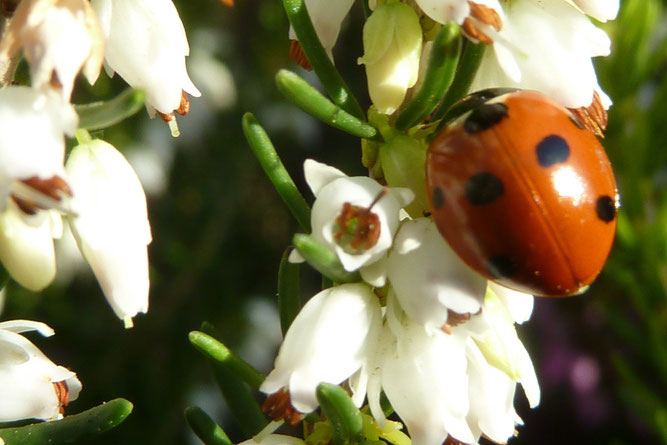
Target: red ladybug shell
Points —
{"points": [[523, 194]]}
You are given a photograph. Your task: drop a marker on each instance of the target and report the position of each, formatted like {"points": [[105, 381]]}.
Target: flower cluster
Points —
{"points": [[422, 327], [545, 46], [93, 189]]}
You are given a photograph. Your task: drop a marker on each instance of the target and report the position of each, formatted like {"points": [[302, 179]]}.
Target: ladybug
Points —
{"points": [[522, 192]]}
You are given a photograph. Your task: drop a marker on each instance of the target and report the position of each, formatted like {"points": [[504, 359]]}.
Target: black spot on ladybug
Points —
{"points": [[473, 101], [501, 266], [484, 117], [438, 199], [552, 150], [483, 188], [577, 122], [605, 207]]}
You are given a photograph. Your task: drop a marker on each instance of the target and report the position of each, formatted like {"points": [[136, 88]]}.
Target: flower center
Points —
{"points": [[35, 193], [481, 15], [62, 394], [357, 229], [279, 407]]}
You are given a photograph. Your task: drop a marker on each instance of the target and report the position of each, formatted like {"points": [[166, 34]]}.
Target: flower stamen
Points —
{"points": [[484, 15], [454, 319], [357, 229], [62, 394], [593, 117], [229, 3], [297, 55], [184, 106], [279, 407], [35, 193]]}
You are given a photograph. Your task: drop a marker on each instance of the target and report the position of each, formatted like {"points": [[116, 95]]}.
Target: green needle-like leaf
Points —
{"points": [[230, 373], [323, 66], [304, 96], [439, 76], [470, 61], [323, 259], [345, 418], [99, 115], [93, 421], [289, 292], [205, 428], [266, 154], [221, 355]]}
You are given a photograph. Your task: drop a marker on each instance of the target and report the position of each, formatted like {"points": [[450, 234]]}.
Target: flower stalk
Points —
{"points": [[104, 114]]}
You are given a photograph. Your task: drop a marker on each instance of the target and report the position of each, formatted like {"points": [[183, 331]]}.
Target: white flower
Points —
{"points": [[443, 11], [146, 45], [111, 224], [545, 46], [31, 385], [601, 10], [494, 334], [329, 340], [429, 278], [327, 18], [333, 189], [32, 148], [32, 141], [392, 48], [58, 37], [424, 377], [26, 246]]}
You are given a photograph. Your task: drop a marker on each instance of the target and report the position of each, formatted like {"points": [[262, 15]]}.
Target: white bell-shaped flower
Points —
{"points": [[545, 46], [32, 142], [392, 48], [111, 224], [330, 340], [491, 395], [146, 45], [26, 246], [494, 334], [55, 56], [424, 376], [31, 385], [429, 278], [339, 199]]}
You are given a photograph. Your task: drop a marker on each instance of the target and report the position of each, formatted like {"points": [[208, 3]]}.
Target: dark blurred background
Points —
{"points": [[220, 229]]}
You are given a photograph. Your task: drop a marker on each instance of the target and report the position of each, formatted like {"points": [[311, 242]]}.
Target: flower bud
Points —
{"points": [[392, 47]]}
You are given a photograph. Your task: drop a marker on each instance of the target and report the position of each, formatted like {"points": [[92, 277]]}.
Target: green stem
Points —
{"points": [[71, 428], [205, 428], [304, 96], [439, 75], [470, 61], [323, 259], [289, 293], [345, 418], [324, 68], [222, 356], [266, 154], [99, 115]]}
